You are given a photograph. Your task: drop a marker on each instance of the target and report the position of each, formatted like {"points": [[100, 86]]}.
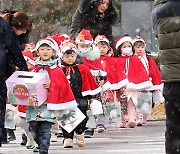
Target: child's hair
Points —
{"points": [[104, 43], [139, 43], [68, 52], [45, 45]]}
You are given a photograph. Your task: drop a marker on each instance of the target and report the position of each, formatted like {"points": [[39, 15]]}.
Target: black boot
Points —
{"points": [[24, 140], [11, 135]]}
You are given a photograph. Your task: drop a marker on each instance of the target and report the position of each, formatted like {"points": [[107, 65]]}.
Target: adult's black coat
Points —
{"points": [[87, 17], [9, 52]]}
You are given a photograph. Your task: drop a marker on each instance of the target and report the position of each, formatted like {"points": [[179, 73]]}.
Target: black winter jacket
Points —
{"points": [[9, 52], [86, 17], [166, 22]]}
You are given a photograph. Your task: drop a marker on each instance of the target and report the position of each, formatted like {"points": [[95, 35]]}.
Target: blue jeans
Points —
{"points": [[41, 132]]}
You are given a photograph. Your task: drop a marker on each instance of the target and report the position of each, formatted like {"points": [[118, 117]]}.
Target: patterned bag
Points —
{"points": [[144, 102]]}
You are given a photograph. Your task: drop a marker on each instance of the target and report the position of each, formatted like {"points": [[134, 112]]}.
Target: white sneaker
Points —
{"points": [[53, 138], [30, 144]]}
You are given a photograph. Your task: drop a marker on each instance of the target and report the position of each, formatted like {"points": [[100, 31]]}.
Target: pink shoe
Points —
{"points": [[122, 125], [131, 124]]}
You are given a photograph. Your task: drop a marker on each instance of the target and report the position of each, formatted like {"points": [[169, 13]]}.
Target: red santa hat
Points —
{"points": [[123, 39], [101, 38], [84, 37], [49, 41], [67, 45], [138, 39], [28, 56], [59, 38]]}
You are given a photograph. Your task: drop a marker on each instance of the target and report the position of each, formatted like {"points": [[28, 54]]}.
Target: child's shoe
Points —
{"points": [[122, 124], [89, 133], [139, 119], [131, 124], [68, 143], [144, 119], [80, 140], [36, 149], [100, 128], [53, 138], [30, 144], [24, 140]]}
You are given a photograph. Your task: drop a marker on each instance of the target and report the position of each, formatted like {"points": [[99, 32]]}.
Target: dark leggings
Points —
{"points": [[172, 99]]}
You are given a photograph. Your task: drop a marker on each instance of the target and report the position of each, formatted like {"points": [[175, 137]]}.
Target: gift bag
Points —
{"points": [[144, 102], [10, 121], [114, 110], [157, 97], [70, 119], [96, 107]]}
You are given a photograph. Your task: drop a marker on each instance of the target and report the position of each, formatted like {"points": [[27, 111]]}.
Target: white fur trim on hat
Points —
{"points": [[122, 40], [101, 40], [138, 40], [85, 41], [46, 41], [29, 60], [57, 46]]}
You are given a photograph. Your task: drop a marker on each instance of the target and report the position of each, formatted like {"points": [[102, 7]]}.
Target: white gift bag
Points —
{"points": [[70, 119], [96, 107], [158, 97], [10, 121], [144, 103]]}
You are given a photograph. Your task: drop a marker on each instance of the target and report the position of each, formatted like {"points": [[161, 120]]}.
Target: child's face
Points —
{"points": [[69, 58], [103, 48], [139, 49], [45, 52], [83, 48], [126, 45]]}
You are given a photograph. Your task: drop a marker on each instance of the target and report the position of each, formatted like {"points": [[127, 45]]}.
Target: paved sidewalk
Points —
{"points": [[140, 140]]}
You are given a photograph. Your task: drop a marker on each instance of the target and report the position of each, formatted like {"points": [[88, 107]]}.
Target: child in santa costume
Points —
{"points": [[26, 137], [139, 46], [135, 73], [83, 86], [116, 78], [60, 95], [88, 54]]}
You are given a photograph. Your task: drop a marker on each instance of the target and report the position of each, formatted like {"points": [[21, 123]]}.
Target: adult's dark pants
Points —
{"points": [[3, 135], [171, 94], [41, 132]]}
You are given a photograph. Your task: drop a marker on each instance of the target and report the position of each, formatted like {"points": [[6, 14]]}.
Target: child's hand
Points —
{"points": [[47, 84], [101, 83]]}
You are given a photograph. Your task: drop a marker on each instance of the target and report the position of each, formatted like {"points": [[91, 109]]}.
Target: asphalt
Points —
{"points": [[148, 139]]}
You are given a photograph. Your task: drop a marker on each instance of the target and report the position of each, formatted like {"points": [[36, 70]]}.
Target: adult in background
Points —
{"points": [[166, 21], [9, 53], [98, 16]]}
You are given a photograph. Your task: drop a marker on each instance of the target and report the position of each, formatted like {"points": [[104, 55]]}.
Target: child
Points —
{"points": [[116, 80], [28, 56], [139, 46], [136, 74], [82, 84], [60, 96], [88, 55]]}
